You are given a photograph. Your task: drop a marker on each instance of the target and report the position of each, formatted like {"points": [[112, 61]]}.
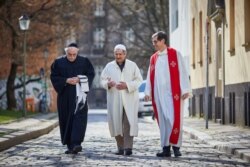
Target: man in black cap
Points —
{"points": [[67, 73]]}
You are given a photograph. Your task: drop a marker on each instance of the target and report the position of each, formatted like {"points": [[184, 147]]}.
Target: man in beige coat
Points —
{"points": [[121, 78]]}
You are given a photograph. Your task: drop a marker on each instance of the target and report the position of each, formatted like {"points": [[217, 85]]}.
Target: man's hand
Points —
{"points": [[73, 80], [147, 98], [111, 83], [185, 96], [121, 85]]}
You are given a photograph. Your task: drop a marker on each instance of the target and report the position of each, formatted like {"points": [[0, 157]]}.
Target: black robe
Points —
{"points": [[72, 126]]}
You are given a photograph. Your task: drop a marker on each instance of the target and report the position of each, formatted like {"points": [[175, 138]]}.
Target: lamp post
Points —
{"points": [[46, 54], [24, 26]]}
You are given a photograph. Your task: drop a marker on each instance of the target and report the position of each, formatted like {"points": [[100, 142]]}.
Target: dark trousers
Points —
{"points": [[79, 125]]}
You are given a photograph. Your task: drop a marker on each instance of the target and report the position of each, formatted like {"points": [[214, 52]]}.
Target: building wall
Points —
{"points": [[237, 65], [35, 61], [229, 81], [196, 68], [180, 36], [179, 32]]}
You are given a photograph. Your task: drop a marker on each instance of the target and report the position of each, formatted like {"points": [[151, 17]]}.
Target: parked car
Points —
{"points": [[145, 108]]}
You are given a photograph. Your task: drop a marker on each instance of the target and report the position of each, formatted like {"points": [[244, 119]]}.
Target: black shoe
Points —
{"points": [[177, 152], [119, 152], [77, 149], [128, 151], [68, 152], [165, 152]]}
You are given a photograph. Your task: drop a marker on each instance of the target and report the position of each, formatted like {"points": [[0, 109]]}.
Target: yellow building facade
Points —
{"points": [[219, 61]]}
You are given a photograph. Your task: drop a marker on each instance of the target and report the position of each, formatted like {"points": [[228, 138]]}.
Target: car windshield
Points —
{"points": [[142, 87]]}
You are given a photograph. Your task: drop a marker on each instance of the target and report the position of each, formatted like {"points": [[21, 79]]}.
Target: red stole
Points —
{"points": [[176, 90]]}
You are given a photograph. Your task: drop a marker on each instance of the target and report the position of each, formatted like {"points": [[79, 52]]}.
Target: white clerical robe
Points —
{"points": [[117, 99], [163, 95]]}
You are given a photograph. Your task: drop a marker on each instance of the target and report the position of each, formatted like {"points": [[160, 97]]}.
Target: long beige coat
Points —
{"points": [[117, 99]]}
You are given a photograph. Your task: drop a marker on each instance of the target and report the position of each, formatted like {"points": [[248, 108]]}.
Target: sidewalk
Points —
{"points": [[226, 138], [20, 131]]}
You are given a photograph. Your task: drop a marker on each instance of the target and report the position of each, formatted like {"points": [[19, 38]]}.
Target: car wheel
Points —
{"points": [[139, 115]]}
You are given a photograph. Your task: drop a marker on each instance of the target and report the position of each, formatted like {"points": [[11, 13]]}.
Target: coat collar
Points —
{"points": [[117, 66]]}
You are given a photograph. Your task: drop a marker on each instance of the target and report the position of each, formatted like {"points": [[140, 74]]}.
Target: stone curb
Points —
{"points": [[21, 136], [238, 150]]}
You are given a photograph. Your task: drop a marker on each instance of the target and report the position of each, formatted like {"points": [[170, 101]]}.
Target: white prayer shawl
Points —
{"points": [[81, 89], [117, 99], [163, 95]]}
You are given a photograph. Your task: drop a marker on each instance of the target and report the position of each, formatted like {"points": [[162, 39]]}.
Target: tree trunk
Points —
{"points": [[11, 99]]}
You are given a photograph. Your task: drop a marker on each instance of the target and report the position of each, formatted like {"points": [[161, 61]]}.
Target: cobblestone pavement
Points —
{"points": [[99, 148]]}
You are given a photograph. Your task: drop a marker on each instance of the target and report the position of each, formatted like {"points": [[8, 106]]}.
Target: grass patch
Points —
{"points": [[9, 115], [2, 134]]}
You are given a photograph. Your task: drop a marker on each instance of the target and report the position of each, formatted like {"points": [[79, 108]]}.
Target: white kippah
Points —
{"points": [[120, 46]]}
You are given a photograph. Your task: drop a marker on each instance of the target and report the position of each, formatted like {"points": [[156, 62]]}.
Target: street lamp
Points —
{"points": [[24, 23], [46, 54]]}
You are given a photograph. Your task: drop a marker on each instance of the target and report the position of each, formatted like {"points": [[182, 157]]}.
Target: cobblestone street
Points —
{"points": [[99, 148]]}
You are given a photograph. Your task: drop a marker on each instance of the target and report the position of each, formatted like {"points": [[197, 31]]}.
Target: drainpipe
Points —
{"points": [[207, 72], [223, 57]]}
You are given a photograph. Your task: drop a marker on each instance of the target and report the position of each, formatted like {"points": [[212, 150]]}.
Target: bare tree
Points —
{"points": [[51, 21], [144, 17]]}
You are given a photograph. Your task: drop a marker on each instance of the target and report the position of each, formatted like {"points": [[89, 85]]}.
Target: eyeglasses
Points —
{"points": [[154, 41]]}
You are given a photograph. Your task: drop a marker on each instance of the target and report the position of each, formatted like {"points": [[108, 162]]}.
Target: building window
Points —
{"points": [[193, 43], [99, 8], [174, 15], [129, 38], [247, 24], [231, 28], [200, 39], [99, 38]]}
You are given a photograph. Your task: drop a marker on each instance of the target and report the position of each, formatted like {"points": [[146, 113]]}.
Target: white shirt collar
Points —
{"points": [[164, 52]]}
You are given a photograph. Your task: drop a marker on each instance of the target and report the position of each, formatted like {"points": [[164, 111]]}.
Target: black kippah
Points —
{"points": [[73, 45]]}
